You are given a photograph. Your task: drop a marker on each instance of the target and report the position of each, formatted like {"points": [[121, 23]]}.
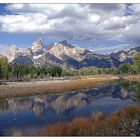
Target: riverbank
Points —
{"points": [[135, 78], [125, 122], [11, 89]]}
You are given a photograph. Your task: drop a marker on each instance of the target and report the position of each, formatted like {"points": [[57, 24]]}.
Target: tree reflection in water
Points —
{"points": [[4, 104]]}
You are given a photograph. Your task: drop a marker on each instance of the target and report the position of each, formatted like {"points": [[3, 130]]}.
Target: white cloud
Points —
{"points": [[16, 6], [74, 21], [109, 49], [94, 18], [35, 8], [135, 8], [25, 23]]}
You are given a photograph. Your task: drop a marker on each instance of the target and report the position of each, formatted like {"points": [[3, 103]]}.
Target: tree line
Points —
{"points": [[16, 71], [133, 68]]}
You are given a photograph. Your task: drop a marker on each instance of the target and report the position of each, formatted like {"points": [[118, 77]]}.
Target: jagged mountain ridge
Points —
{"points": [[66, 55], [126, 56]]}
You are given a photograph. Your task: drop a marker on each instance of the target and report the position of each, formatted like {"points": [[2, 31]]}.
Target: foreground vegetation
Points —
{"points": [[125, 122]]}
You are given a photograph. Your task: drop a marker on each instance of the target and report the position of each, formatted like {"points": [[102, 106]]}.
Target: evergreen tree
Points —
{"points": [[3, 67], [137, 62]]}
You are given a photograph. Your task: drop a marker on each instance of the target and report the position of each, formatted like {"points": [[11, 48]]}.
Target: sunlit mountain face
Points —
{"points": [[101, 28], [66, 55]]}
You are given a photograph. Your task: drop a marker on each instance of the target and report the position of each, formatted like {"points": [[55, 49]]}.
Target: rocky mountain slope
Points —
{"points": [[125, 56], [66, 55]]}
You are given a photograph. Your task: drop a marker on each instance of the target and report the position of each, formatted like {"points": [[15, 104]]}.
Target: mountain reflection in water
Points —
{"points": [[21, 115]]}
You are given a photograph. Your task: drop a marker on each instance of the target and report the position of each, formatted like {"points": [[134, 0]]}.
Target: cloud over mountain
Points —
{"points": [[74, 21], [81, 22]]}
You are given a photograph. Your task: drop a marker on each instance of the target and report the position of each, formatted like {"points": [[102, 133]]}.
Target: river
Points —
{"points": [[27, 116]]}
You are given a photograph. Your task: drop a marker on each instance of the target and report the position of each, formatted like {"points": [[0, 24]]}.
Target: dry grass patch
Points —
{"points": [[54, 88], [132, 78], [119, 124]]}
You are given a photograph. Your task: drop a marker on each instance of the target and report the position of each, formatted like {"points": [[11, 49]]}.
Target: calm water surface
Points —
{"points": [[29, 115]]}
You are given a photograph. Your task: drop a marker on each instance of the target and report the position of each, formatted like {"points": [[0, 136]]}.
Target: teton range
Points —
{"points": [[66, 55]]}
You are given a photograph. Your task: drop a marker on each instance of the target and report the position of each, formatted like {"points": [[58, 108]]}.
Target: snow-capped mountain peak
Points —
{"points": [[125, 56], [66, 55], [63, 49], [11, 53], [37, 46]]}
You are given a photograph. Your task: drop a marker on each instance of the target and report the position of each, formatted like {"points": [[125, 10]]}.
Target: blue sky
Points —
{"points": [[102, 28]]}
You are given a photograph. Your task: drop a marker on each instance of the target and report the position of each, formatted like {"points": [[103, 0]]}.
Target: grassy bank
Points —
{"points": [[135, 78], [52, 87], [125, 122]]}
